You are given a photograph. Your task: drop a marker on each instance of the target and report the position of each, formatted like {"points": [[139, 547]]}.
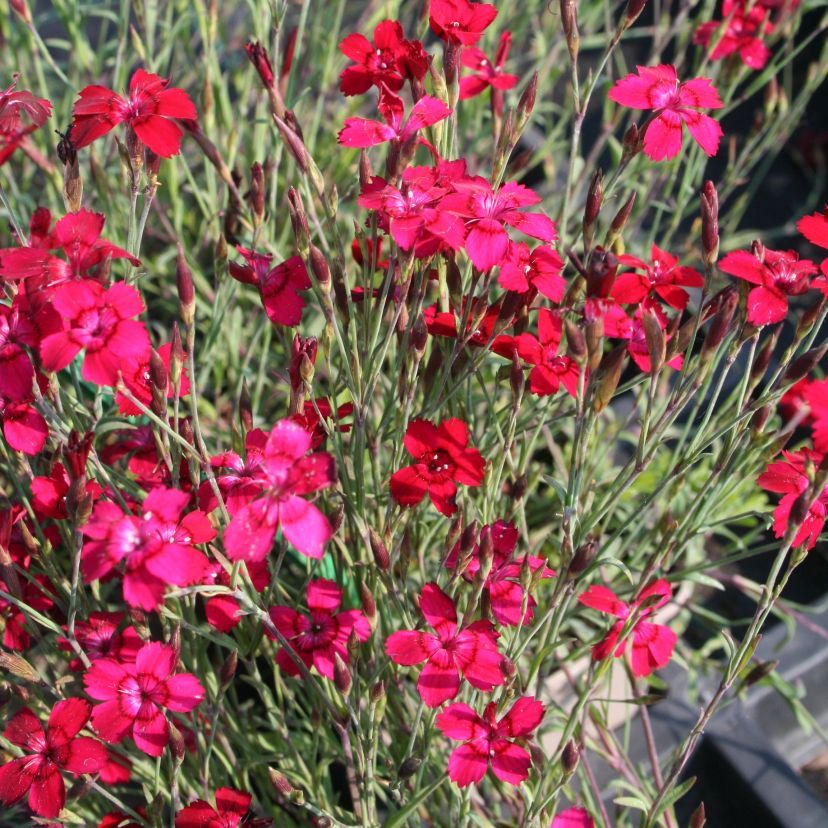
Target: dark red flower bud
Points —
{"points": [[802, 366], [303, 349], [342, 675], [186, 291], [632, 142], [257, 191], [710, 223], [409, 767], [77, 454], [758, 672], [527, 99], [158, 382], [469, 537], [799, 510], [632, 12], [810, 316], [759, 419], [379, 550], [584, 555], [228, 669], [261, 61], [298, 219], [368, 604], [570, 758], [337, 516], [721, 324], [319, 268], [78, 502], [620, 220], [451, 60], [763, 358], [699, 818], [419, 335], [576, 347]]}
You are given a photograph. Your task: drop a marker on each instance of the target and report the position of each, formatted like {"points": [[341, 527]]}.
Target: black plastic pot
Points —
{"points": [[745, 764]]}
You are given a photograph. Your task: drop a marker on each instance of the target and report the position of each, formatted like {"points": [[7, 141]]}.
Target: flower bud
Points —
{"points": [[799, 510], [699, 817], [451, 61], [570, 758], [295, 145], [760, 671], [576, 347], [257, 192], [245, 407], [306, 370], [178, 747], [632, 143], [342, 675], [584, 555], [620, 220], [419, 335], [763, 357], [319, 268], [366, 174], [516, 379], [610, 368], [721, 324], [22, 10], [656, 340], [569, 21], [175, 640], [710, 223], [803, 365], [632, 12], [176, 357], [78, 502], [368, 604], [379, 699], [810, 316], [228, 669], [261, 61], [469, 537], [158, 383], [379, 550], [298, 220], [19, 667], [594, 335], [336, 517], [759, 419], [409, 767], [537, 755], [486, 555], [280, 782], [186, 291], [595, 196]]}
